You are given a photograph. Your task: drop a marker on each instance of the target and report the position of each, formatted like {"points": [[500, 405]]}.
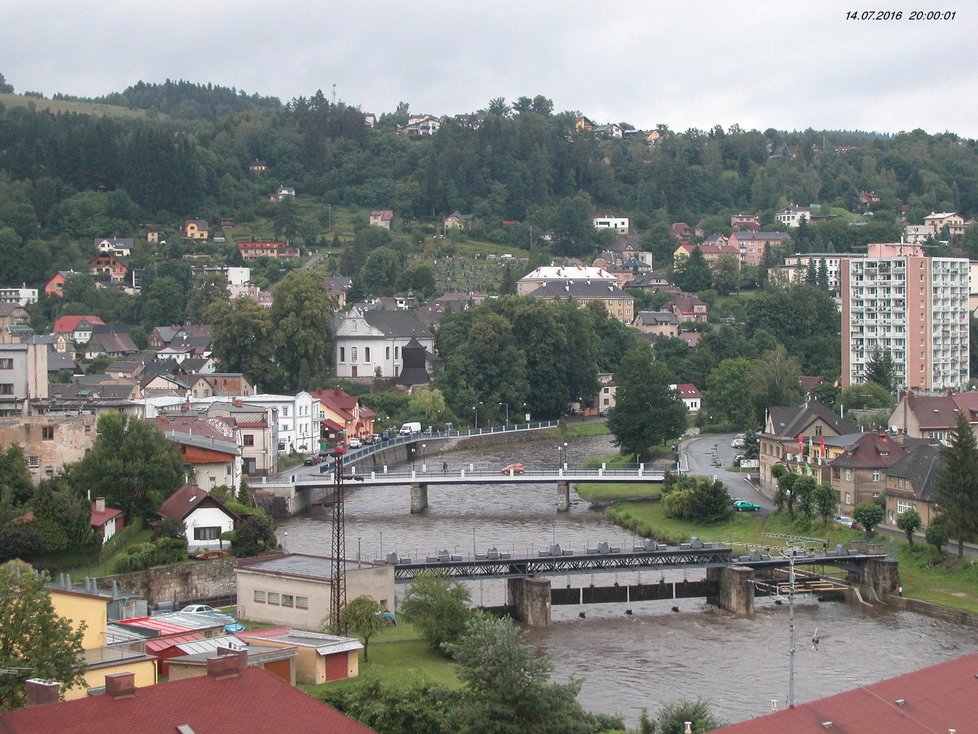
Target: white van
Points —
{"points": [[408, 428]]}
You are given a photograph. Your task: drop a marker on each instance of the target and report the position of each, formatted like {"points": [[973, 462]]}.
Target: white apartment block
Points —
{"points": [[799, 263], [619, 224], [21, 296], [912, 306]]}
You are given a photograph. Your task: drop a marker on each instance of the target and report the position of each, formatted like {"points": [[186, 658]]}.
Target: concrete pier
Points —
{"points": [[419, 498], [530, 598], [880, 574], [563, 496], [734, 588]]}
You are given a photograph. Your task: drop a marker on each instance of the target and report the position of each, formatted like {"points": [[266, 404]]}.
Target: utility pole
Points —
{"points": [[338, 600]]}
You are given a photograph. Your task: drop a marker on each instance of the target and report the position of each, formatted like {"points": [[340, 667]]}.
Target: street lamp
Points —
{"points": [[476, 409], [414, 451], [562, 448], [507, 412], [424, 446]]}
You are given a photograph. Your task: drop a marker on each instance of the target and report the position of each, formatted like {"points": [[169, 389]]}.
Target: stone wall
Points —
{"points": [[958, 616], [181, 583]]}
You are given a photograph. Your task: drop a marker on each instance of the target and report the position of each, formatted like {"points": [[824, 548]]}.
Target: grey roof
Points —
{"points": [[397, 323], [58, 361], [920, 466], [203, 442], [324, 644], [84, 392], [302, 566], [578, 289], [167, 332], [790, 421], [654, 318]]}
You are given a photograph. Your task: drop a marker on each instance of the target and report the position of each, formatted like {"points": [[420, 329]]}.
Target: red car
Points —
{"points": [[513, 469]]}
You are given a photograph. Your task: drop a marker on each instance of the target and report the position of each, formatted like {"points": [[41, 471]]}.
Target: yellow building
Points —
{"points": [[90, 609], [321, 658]]}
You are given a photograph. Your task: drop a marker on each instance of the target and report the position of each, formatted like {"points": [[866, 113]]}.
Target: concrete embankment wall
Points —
{"points": [[958, 616], [181, 583]]}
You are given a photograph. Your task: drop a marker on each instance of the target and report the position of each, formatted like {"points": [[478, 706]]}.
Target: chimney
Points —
{"points": [[227, 666], [100, 504], [120, 685], [42, 692]]}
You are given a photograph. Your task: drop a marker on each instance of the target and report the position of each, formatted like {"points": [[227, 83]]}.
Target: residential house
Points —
{"points": [[22, 296], [381, 218], [687, 307], [278, 250], [796, 436], [298, 426], [209, 447], [691, 338], [23, 376], [652, 282], [370, 119], [232, 697], [939, 698], [611, 130], [56, 286], [195, 229], [51, 439], [682, 232], [869, 198], [204, 516], [607, 393], [282, 193], [77, 328], [105, 521], [795, 268], [954, 222], [369, 343], [344, 415], [711, 253], [457, 220], [258, 166], [338, 287], [320, 658], [12, 314], [583, 124], [915, 307], [859, 472], [161, 336], [258, 430], [690, 396], [233, 384], [809, 383], [933, 417], [118, 246], [420, 126], [740, 222], [112, 344], [561, 274], [617, 302], [752, 245], [617, 224], [918, 234], [659, 323], [909, 485], [295, 589], [793, 216]]}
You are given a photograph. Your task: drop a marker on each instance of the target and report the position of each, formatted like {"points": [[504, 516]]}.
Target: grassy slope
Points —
{"points": [[82, 108]]}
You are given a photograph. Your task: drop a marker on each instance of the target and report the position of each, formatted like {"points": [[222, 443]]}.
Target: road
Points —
{"points": [[709, 456]]}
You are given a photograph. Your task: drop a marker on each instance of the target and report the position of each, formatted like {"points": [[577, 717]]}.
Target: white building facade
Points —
{"points": [[370, 343]]}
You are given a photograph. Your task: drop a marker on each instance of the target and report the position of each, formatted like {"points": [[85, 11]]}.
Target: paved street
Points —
{"points": [[709, 456]]}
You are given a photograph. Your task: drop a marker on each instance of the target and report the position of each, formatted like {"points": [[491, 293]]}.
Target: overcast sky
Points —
{"points": [[757, 63]]}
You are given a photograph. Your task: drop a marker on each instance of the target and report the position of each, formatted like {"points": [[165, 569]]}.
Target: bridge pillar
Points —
{"points": [[529, 597], [882, 574], [733, 588], [419, 498], [563, 496]]}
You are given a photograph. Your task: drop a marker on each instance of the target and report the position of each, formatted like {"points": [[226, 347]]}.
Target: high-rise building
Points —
{"points": [[897, 300]]}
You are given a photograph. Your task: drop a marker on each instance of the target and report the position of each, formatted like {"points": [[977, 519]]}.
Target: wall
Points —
{"points": [[73, 436], [182, 583]]}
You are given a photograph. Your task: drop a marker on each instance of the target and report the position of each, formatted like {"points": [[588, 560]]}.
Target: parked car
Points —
{"points": [[847, 521], [738, 443], [354, 443], [311, 460], [210, 555], [513, 469], [200, 609], [745, 506]]}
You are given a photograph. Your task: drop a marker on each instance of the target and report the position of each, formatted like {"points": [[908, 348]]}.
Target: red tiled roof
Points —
{"points": [[687, 390], [871, 451], [253, 701], [67, 324], [938, 698], [99, 519]]}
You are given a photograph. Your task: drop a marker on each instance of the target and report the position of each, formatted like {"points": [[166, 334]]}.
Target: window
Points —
{"points": [[353, 354], [287, 600], [876, 475], [47, 433], [259, 596], [302, 602], [249, 439], [366, 354], [6, 363], [387, 352], [285, 412], [6, 388], [903, 506], [273, 598], [33, 462], [342, 354], [208, 533], [397, 352], [848, 498], [848, 475]]}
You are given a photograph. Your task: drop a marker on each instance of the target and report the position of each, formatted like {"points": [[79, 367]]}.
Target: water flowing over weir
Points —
{"points": [[628, 662]]}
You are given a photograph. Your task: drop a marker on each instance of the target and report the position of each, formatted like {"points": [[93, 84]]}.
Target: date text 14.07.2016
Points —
{"points": [[900, 15]]}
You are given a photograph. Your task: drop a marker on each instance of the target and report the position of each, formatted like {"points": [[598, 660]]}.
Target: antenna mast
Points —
{"points": [[791, 628], [338, 597]]}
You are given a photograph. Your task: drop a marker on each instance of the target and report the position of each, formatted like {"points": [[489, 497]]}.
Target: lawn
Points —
{"points": [[398, 656]]}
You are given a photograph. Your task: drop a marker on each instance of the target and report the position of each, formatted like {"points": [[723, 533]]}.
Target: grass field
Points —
{"points": [[54, 106]]}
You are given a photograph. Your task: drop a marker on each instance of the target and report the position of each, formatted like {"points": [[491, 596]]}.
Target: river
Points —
{"points": [[631, 662]]}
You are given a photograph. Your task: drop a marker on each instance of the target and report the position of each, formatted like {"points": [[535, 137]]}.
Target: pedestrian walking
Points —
{"points": [[444, 467]]}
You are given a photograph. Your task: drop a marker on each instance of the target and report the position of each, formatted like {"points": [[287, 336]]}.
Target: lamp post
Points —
{"points": [[424, 446], [562, 448], [358, 549], [507, 413], [413, 452], [476, 409]]}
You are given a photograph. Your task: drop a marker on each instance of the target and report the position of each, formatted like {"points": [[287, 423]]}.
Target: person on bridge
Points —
{"points": [[444, 467]]}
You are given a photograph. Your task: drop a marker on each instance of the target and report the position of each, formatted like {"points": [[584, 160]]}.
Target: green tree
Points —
{"points": [[34, 641], [909, 522], [726, 274], [15, 479], [380, 271], [869, 515], [244, 340], [696, 275], [253, 535], [956, 484], [507, 686], [361, 616], [727, 398], [825, 501], [938, 534], [419, 279], [428, 403], [62, 517], [396, 708], [774, 380], [302, 313], [130, 463], [672, 717], [647, 410], [19, 540], [439, 608], [881, 370]]}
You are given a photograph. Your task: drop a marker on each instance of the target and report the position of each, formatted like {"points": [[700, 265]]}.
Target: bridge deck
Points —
{"points": [[537, 476]]}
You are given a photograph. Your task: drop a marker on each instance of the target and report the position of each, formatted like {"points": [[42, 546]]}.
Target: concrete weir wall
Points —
{"points": [[530, 598], [733, 588]]}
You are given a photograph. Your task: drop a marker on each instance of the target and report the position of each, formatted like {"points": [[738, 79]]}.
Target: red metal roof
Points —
{"points": [[159, 644], [67, 324], [938, 698], [253, 701], [152, 623]]}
